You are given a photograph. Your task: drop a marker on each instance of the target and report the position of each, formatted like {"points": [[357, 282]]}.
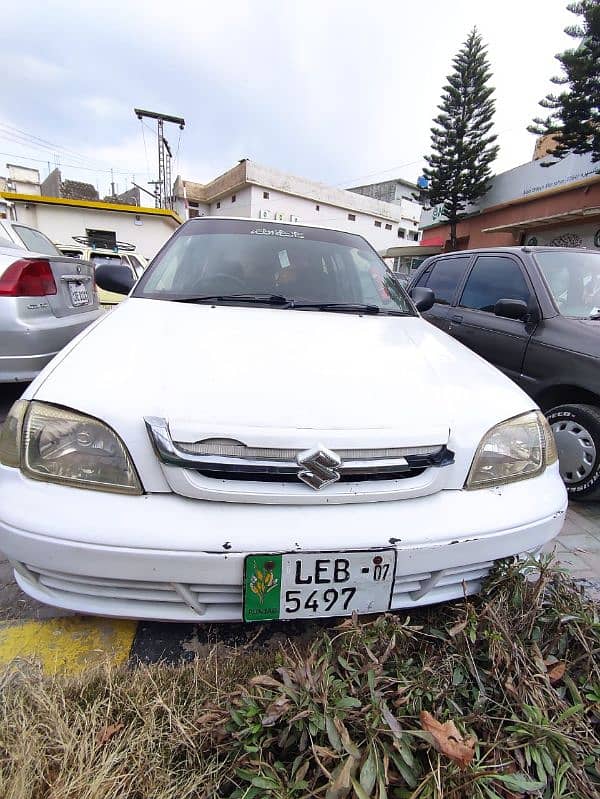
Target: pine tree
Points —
{"points": [[462, 146], [575, 113]]}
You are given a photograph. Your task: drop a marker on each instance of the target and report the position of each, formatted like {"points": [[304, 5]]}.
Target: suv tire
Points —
{"points": [[577, 432]]}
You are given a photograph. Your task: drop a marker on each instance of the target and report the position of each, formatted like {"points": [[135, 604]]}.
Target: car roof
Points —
{"points": [[517, 249], [197, 219]]}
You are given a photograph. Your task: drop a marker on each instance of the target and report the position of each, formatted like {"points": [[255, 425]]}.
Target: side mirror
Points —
{"points": [[423, 298], [115, 278], [511, 309]]}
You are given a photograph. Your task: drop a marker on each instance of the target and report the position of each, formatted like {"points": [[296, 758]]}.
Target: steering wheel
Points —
{"points": [[219, 277]]}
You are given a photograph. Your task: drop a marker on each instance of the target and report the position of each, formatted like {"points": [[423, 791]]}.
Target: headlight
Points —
{"points": [[513, 450], [62, 446], [10, 435]]}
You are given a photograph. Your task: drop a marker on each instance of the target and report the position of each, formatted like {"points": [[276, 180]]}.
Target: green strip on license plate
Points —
{"points": [[262, 587]]}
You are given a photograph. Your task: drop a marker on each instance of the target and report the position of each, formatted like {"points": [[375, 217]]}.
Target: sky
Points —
{"points": [[339, 91]]}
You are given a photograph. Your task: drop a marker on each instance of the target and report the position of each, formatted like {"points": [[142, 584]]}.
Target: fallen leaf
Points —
{"points": [[391, 721], [347, 743], [106, 733], [275, 711], [448, 740], [458, 628], [556, 673], [340, 785], [265, 681]]}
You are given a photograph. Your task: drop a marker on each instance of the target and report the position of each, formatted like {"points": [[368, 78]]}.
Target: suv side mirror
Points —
{"points": [[422, 297], [115, 278], [511, 309]]}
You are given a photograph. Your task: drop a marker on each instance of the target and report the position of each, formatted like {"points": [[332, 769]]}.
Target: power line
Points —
{"points": [[379, 172], [70, 166], [50, 144]]}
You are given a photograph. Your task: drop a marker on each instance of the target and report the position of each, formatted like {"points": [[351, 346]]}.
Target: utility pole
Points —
{"points": [[163, 189]]}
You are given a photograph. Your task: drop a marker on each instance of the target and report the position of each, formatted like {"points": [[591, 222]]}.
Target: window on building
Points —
{"points": [[265, 195], [352, 217], [233, 198], [377, 223], [317, 207], [219, 204], [401, 233], [444, 277], [493, 278], [388, 227]]}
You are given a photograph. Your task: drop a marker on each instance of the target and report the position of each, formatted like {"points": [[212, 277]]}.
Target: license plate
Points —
{"points": [[311, 585], [79, 295]]}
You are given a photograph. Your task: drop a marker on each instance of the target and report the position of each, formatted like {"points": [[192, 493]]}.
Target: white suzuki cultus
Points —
{"points": [[277, 435]]}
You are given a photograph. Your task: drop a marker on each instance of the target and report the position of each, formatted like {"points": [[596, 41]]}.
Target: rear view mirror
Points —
{"points": [[423, 298], [115, 278], [511, 309]]}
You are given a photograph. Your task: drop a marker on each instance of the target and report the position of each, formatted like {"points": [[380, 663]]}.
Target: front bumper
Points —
{"points": [[148, 556]]}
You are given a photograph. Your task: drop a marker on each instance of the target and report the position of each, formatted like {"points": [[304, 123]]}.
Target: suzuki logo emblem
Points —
{"points": [[319, 467]]}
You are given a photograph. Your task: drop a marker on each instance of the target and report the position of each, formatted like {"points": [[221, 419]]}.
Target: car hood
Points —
{"points": [[232, 371]]}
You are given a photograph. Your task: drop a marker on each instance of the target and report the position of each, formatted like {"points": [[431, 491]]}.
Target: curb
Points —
{"points": [[67, 645]]}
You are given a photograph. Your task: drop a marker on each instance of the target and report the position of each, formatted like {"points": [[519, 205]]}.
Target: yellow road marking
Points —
{"points": [[67, 645]]}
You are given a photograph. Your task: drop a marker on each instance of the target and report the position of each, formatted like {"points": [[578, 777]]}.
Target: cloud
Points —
{"points": [[336, 90]]}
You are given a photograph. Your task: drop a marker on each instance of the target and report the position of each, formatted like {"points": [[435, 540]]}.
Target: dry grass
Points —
{"points": [[517, 671]]}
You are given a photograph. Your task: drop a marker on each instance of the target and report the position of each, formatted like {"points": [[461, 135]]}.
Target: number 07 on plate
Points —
{"points": [[305, 585]]}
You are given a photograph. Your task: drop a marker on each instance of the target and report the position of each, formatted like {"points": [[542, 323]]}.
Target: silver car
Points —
{"points": [[46, 299]]}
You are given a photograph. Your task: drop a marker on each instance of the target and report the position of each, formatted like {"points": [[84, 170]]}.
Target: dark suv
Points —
{"points": [[534, 312]]}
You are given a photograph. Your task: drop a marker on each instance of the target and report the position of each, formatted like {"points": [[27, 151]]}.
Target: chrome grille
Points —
{"points": [[229, 448]]}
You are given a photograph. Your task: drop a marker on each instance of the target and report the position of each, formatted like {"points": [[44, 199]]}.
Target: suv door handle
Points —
{"points": [[456, 318]]}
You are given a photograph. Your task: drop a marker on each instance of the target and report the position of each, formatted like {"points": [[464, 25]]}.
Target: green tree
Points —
{"points": [[575, 114], [462, 145]]}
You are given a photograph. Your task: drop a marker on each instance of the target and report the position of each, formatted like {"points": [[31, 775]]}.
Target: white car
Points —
{"points": [[284, 437]]}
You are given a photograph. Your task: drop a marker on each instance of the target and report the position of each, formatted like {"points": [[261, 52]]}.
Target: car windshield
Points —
{"points": [[105, 258], [574, 280], [71, 253], [221, 258]]}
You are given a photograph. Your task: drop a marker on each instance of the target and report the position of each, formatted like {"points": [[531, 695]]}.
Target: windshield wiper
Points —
{"points": [[352, 307], [268, 299]]}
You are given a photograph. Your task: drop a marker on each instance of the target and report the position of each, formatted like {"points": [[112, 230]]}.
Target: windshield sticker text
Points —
{"points": [[267, 232]]}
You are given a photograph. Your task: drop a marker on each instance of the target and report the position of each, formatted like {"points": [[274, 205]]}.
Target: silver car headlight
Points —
{"points": [[58, 445], [513, 450]]}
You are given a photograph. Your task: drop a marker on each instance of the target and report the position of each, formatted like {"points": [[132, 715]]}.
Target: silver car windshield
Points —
{"points": [[574, 280], [221, 258]]}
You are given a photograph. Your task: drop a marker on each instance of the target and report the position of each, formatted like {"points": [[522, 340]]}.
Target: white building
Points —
{"points": [[22, 179], [402, 193], [259, 192], [61, 219]]}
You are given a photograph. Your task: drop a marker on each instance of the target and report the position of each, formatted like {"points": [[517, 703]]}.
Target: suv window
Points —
{"points": [[493, 278], [445, 277]]}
